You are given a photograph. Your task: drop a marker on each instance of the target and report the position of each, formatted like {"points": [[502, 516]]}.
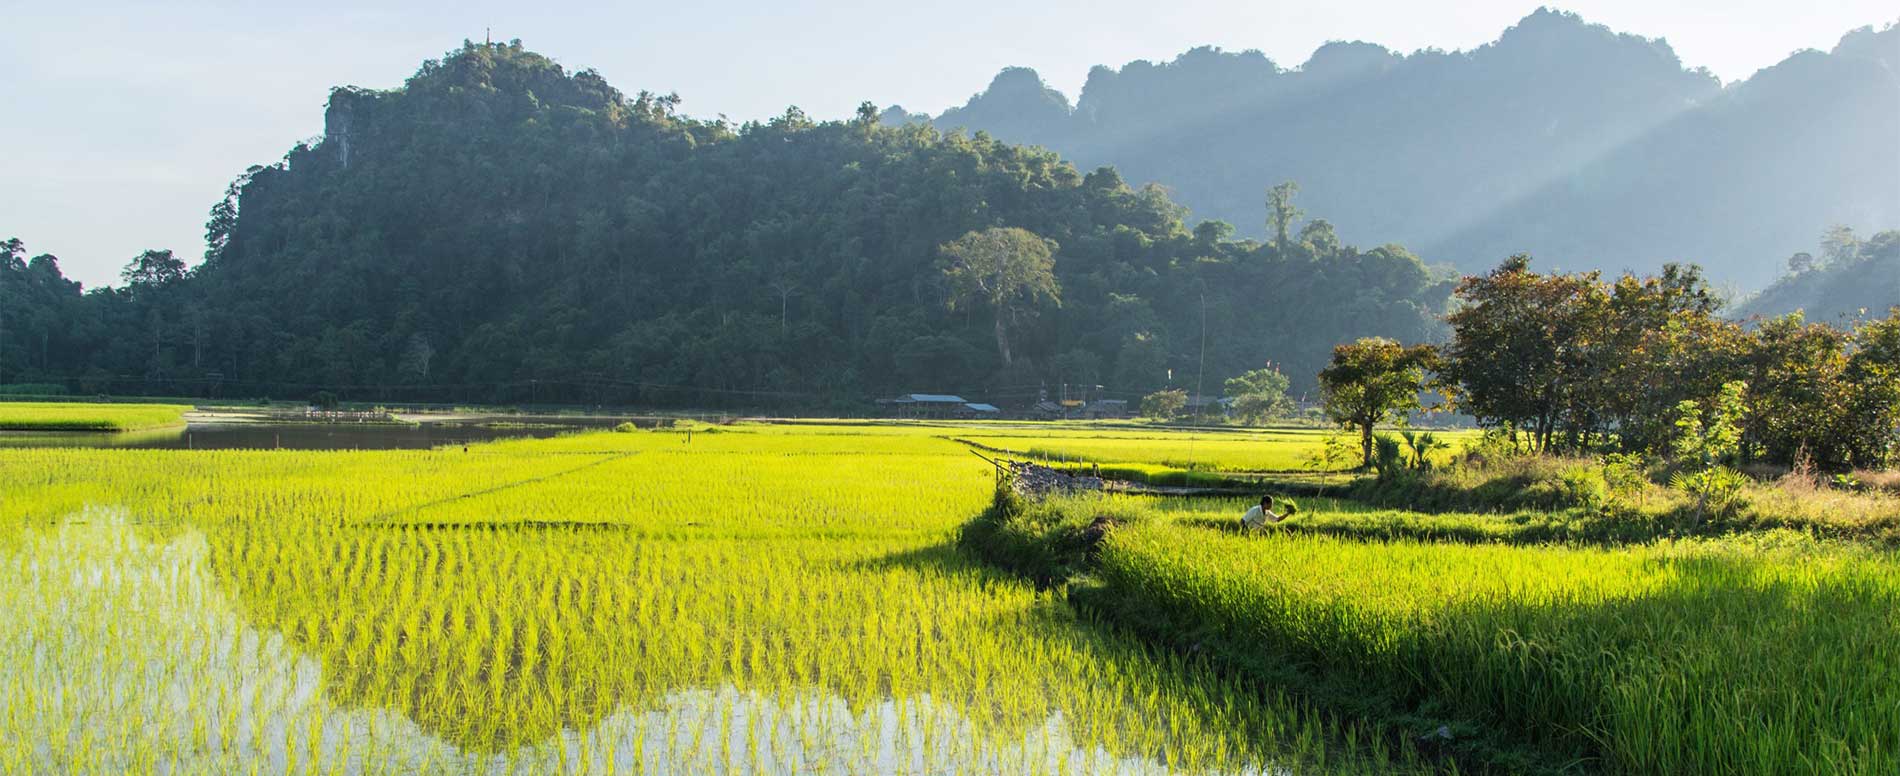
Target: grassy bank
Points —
{"points": [[1768, 652], [69, 416], [1560, 499]]}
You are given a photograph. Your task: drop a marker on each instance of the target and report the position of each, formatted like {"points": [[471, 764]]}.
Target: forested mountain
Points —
{"points": [[1585, 147], [499, 229], [1852, 279]]}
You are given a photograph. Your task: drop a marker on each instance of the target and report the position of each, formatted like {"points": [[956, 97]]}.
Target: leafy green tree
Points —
{"points": [[1259, 395], [1799, 393], [1211, 233], [1873, 372], [1705, 444], [1371, 381], [1713, 438], [1318, 236], [1008, 269], [153, 269], [1164, 404], [10, 252], [1801, 262], [1579, 362], [1839, 246], [1281, 212], [1522, 349]]}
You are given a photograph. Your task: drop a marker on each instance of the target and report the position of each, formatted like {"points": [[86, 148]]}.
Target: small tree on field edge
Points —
{"points": [[1371, 381]]}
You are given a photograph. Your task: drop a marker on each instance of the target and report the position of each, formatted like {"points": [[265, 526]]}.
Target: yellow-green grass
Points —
{"points": [[1769, 653], [70, 416], [747, 601]]}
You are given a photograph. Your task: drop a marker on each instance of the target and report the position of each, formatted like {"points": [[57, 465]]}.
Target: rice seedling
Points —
{"points": [[1767, 653], [774, 601], [70, 416]]}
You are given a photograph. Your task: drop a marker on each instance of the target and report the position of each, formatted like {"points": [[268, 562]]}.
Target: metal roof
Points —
{"points": [[981, 407], [933, 398]]}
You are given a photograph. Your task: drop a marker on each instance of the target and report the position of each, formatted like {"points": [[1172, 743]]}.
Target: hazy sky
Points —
{"points": [[121, 122]]}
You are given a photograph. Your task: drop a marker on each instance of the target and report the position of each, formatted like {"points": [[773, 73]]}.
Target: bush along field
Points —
{"points": [[1239, 450], [1578, 618], [67, 416], [758, 600]]}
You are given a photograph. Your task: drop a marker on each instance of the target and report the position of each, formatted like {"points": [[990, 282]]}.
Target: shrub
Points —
{"points": [[1388, 456], [1717, 490], [1164, 405], [1626, 476]]}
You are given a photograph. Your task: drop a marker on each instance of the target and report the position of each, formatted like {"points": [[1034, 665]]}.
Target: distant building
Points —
{"points": [[935, 405], [1106, 409]]}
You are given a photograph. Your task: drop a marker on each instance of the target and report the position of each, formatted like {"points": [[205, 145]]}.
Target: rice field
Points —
{"points": [[1764, 653], [758, 600], [72, 416], [765, 598]]}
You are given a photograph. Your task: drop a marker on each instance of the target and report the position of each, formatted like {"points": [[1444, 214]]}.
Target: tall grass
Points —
{"points": [[1767, 654]]}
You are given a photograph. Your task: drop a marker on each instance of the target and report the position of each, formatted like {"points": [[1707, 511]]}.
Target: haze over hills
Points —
{"points": [[1850, 280], [1586, 147]]}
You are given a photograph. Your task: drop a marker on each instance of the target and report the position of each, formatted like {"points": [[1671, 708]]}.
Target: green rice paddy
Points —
{"points": [[793, 599], [69, 416], [769, 601]]}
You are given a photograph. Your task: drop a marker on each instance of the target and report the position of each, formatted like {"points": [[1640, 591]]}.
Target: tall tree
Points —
{"points": [[1372, 381], [10, 252], [1009, 269], [1281, 212], [153, 269]]}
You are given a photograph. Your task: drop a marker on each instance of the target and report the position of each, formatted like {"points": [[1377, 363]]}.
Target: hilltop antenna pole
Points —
{"points": [[488, 36]]}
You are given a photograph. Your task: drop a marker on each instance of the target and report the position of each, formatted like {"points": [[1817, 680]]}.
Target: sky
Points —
{"points": [[122, 122]]}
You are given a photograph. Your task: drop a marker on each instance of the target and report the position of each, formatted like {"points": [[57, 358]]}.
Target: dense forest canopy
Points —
{"points": [[1849, 279], [1588, 148], [500, 229]]}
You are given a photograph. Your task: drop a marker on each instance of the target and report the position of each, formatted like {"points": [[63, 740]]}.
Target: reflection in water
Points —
{"points": [[301, 436], [119, 655]]}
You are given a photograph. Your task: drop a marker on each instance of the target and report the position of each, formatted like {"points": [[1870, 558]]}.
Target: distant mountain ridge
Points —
{"points": [[1586, 147], [1852, 280]]}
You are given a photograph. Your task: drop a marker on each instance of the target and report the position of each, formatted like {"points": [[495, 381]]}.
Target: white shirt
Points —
{"points": [[1257, 517]]}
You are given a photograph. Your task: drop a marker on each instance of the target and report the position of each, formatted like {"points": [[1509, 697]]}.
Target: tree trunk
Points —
{"points": [[1365, 443], [1002, 339]]}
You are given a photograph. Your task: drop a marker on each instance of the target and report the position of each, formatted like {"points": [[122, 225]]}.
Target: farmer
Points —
{"points": [[1260, 514]]}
